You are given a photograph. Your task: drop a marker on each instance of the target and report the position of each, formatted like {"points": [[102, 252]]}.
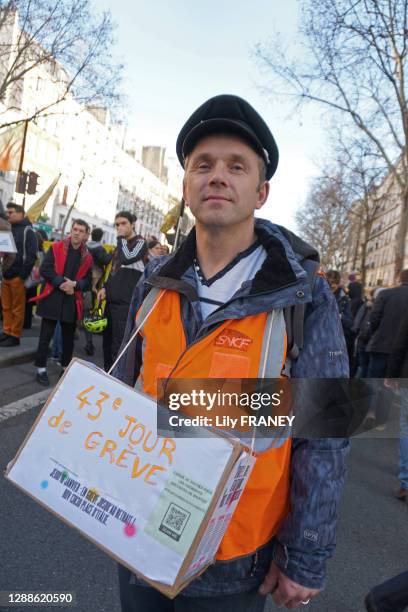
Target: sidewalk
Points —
{"points": [[26, 351], [19, 390]]}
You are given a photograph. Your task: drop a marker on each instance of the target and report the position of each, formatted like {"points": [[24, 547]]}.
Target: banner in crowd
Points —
{"points": [[7, 244], [11, 143]]}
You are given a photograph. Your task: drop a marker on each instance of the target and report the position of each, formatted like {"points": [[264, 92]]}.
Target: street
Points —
{"points": [[183, 235], [40, 553]]}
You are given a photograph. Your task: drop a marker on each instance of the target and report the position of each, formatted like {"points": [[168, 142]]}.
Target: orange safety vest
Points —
{"points": [[232, 350]]}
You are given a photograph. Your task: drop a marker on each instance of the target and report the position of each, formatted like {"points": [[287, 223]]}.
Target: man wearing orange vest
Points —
{"points": [[211, 305]]}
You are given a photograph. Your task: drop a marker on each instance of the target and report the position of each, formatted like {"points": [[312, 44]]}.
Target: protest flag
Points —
{"points": [[11, 146]]}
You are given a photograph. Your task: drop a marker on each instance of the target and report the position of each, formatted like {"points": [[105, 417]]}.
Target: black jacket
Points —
{"points": [[127, 268], [23, 266], [361, 326], [58, 305], [355, 291], [389, 309], [355, 294], [100, 256], [398, 359], [346, 317]]}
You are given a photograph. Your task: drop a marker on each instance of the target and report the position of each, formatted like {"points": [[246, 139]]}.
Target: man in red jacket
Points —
{"points": [[67, 270]]}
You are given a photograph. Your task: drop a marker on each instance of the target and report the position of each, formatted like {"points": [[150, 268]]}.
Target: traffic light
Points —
{"points": [[170, 238], [32, 183], [21, 182]]}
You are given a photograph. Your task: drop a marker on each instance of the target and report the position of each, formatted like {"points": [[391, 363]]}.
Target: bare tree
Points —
{"points": [[359, 176], [323, 221], [59, 41], [355, 61]]}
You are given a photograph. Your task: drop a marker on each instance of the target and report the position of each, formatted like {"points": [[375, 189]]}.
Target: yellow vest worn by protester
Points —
{"points": [[252, 347]]}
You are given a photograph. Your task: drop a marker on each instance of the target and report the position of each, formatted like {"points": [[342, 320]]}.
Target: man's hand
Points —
{"points": [[391, 383], [63, 286], [68, 289], [285, 592], [101, 295], [68, 286]]}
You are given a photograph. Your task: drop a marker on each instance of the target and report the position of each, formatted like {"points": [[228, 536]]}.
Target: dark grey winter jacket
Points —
{"points": [[306, 538]]}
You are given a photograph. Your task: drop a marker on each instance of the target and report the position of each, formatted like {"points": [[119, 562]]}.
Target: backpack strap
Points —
{"points": [[295, 315], [26, 230], [24, 243], [147, 305]]}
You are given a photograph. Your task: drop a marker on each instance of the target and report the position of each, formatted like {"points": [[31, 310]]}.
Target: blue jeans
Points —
{"points": [[142, 599], [224, 586], [362, 364], [403, 457], [392, 595], [377, 365]]}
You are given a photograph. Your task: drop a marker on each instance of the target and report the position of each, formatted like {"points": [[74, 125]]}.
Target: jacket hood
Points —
{"points": [[282, 266], [299, 246], [93, 244]]}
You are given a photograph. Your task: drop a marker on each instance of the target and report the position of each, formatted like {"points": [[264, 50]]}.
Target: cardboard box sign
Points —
{"points": [[7, 244], [159, 506]]}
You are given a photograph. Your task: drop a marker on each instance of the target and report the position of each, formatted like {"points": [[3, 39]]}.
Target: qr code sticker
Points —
{"points": [[174, 521]]}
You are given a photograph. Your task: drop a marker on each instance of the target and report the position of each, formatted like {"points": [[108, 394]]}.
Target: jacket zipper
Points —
{"points": [[254, 564]]}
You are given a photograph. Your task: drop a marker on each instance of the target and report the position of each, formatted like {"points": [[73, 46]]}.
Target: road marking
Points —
{"points": [[24, 404]]}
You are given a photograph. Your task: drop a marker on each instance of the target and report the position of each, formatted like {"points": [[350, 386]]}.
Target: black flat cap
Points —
{"points": [[229, 114]]}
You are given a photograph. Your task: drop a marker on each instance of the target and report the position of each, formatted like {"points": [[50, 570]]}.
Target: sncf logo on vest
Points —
{"points": [[232, 338]]}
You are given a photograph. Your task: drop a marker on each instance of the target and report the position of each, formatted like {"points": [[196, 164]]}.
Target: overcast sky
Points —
{"points": [[180, 53]]}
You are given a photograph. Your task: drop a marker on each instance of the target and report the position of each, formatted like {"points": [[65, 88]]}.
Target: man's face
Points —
{"points": [[13, 216], [156, 251], [124, 227], [334, 284], [78, 234], [221, 182]]}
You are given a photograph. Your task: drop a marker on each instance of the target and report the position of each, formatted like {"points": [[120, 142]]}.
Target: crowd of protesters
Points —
{"points": [[373, 320], [78, 281], [375, 325]]}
